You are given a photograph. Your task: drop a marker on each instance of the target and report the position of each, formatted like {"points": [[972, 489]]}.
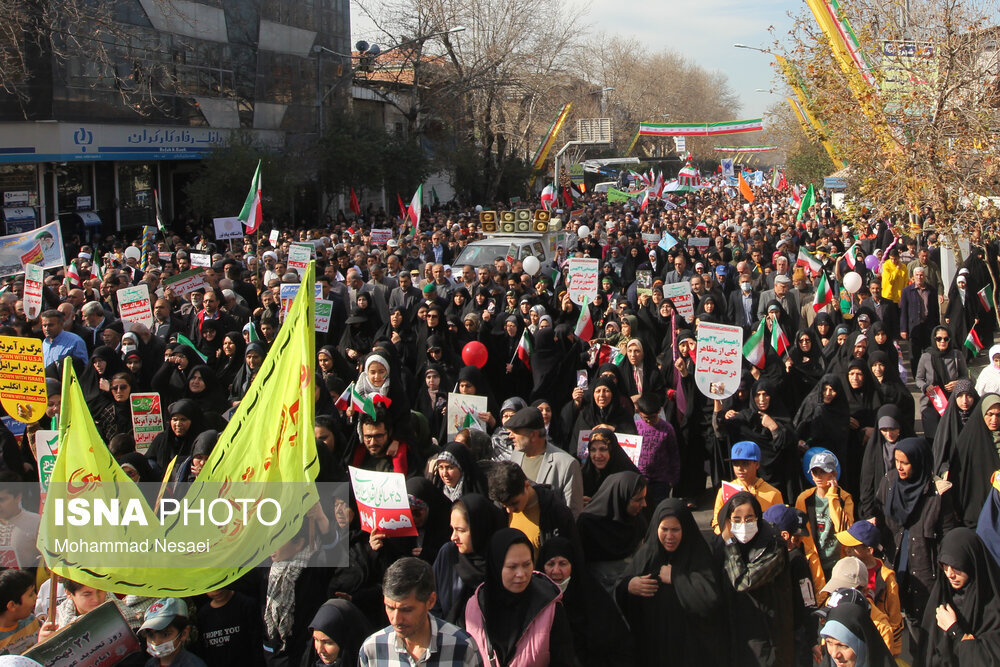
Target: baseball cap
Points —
{"points": [[843, 596], [720, 270], [162, 612], [786, 518], [825, 461], [860, 533], [745, 451], [527, 419], [848, 572]]}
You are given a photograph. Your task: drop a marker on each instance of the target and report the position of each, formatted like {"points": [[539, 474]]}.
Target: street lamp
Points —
{"points": [[753, 48]]}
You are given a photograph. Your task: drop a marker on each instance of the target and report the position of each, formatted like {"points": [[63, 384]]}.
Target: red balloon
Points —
{"points": [[475, 354]]}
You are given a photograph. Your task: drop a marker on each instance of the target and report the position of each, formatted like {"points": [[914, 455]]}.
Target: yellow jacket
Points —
{"points": [[894, 278], [766, 495], [842, 516], [886, 613]]}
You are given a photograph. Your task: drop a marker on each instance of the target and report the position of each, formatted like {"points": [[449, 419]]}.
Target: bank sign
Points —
{"points": [[67, 142]]}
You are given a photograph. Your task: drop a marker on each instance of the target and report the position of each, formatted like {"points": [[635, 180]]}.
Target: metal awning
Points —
{"points": [[19, 214]]}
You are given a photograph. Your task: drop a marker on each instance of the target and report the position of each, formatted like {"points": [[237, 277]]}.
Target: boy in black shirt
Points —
{"points": [[229, 629]]}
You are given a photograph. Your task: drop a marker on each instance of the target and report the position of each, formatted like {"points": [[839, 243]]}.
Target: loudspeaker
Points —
{"points": [[488, 219], [508, 224], [542, 218], [523, 220]]}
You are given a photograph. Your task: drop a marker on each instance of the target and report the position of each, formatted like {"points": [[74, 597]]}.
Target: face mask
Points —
{"points": [[744, 532], [164, 649], [128, 348], [745, 287], [564, 585]]}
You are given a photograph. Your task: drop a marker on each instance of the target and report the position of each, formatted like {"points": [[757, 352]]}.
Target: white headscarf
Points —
{"points": [[366, 388]]}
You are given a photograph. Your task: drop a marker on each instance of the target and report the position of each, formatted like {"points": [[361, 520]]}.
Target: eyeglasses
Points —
{"points": [[941, 340], [370, 437], [119, 387]]}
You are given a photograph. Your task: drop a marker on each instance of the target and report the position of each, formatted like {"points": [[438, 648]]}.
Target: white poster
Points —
{"points": [[583, 279], [14, 246], [463, 411], [228, 228], [33, 274], [201, 259], [680, 294], [719, 360], [134, 305], [299, 255], [322, 314]]}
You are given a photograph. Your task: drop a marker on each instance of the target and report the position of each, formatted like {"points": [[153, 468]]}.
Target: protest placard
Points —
{"points": [[33, 274], [667, 242], [719, 360], [583, 279], [228, 228], [272, 238], [22, 378], [680, 295], [463, 411], [650, 240], [380, 237], [185, 281], [630, 443], [99, 638], [134, 305], [299, 255], [321, 316], [644, 282], [383, 505], [14, 246], [46, 450], [697, 242], [287, 294], [201, 259], [147, 419]]}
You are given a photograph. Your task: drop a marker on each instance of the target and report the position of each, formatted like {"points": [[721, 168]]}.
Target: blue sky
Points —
{"points": [[703, 30]]}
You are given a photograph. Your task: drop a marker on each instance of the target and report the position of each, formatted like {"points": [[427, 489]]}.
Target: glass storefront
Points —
{"points": [[135, 193]]}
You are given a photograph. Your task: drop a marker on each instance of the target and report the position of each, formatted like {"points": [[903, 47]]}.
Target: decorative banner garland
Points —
{"points": [[700, 129], [550, 137], [744, 149]]}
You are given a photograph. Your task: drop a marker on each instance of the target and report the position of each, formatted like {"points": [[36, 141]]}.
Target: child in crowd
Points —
{"points": [[745, 457], [659, 459], [229, 628], [18, 625], [830, 510], [166, 631]]}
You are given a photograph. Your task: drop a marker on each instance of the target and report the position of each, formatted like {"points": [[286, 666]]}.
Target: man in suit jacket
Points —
{"points": [[782, 293], [885, 310], [438, 251], [743, 304], [544, 463], [918, 314]]}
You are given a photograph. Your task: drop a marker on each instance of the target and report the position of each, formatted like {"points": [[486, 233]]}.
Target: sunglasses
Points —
{"points": [[941, 340], [119, 387]]}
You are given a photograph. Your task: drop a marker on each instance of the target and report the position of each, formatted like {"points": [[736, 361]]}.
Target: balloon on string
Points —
{"points": [[871, 261], [852, 282], [583, 231], [531, 265], [132, 252], [475, 354]]}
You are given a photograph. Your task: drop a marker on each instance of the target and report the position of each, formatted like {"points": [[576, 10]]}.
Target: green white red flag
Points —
{"points": [[524, 349], [252, 213], [824, 293], [753, 349], [584, 325], [986, 297], [973, 343], [808, 260]]}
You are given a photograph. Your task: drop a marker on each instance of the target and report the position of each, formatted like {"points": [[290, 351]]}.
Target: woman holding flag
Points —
{"points": [[940, 367]]}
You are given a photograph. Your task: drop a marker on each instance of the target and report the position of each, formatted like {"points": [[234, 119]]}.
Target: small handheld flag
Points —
{"points": [[252, 213]]}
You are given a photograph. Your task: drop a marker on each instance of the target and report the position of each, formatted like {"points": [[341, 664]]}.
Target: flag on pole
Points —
{"points": [[986, 297], [548, 197], [434, 196], [849, 255], [73, 275], [184, 340], [159, 214], [745, 189], [355, 204], [824, 293], [973, 343], [753, 349], [806, 259], [362, 403], [645, 200], [344, 400], [584, 325], [413, 212], [252, 213], [524, 349], [402, 207], [779, 341], [807, 202]]}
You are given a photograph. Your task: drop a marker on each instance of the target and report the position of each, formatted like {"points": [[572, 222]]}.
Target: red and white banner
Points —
{"points": [[700, 129]]}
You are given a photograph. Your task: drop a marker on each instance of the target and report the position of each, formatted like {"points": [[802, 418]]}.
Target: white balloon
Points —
{"points": [[852, 282], [531, 265], [132, 252], [479, 208], [583, 231]]}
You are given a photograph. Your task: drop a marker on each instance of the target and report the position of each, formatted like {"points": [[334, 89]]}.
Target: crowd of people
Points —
{"points": [[850, 526]]}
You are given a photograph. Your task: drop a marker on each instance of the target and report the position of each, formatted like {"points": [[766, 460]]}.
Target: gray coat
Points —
{"points": [[954, 364]]}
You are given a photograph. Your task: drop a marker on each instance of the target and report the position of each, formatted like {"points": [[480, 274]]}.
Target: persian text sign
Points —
{"points": [[383, 505], [680, 295], [22, 378], [719, 360], [32, 290], [134, 305], [147, 419], [583, 280]]}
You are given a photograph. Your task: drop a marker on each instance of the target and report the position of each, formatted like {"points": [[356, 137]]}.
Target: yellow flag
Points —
{"points": [[265, 459]]}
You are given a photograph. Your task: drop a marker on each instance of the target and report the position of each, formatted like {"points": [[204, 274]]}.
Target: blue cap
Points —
{"points": [[720, 270], [745, 451], [862, 532], [162, 612], [786, 518]]}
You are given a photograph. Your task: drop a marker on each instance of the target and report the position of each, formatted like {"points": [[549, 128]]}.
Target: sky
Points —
{"points": [[703, 30]]}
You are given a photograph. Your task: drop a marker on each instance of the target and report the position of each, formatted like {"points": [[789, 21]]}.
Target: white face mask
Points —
{"points": [[128, 348], [164, 649], [745, 287], [564, 584], [744, 532]]}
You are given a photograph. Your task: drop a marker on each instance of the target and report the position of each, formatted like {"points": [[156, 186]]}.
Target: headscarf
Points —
{"points": [[485, 519], [826, 424], [851, 624], [953, 422], [864, 401], [938, 356], [471, 481], [973, 457], [903, 499], [363, 385], [607, 531], [346, 625], [618, 462]]}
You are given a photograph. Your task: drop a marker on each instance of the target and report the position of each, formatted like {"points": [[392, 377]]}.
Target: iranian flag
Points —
{"points": [[700, 129], [362, 403], [159, 214], [986, 297], [779, 341], [753, 349], [824, 294], [807, 202], [413, 211], [584, 325], [645, 201], [524, 349], [252, 213], [73, 275], [548, 197], [344, 400], [973, 343], [806, 259], [849, 256]]}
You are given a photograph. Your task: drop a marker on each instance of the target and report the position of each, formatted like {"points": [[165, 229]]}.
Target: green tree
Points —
{"points": [[223, 179], [807, 162]]}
